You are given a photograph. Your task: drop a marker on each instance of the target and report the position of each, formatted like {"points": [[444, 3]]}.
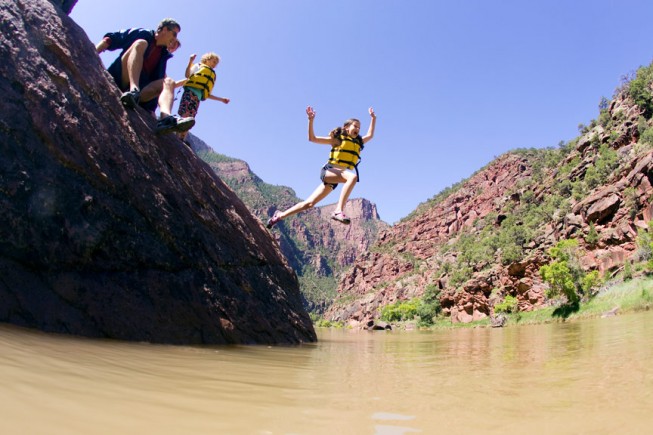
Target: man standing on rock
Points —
{"points": [[140, 71]]}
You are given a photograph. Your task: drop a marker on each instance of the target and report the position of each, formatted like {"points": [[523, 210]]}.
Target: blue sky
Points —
{"points": [[454, 83]]}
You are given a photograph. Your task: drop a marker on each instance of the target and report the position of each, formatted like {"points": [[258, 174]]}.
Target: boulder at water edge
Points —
{"points": [[107, 230]]}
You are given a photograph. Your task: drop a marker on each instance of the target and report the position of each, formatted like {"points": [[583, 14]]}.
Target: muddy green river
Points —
{"points": [[592, 377]]}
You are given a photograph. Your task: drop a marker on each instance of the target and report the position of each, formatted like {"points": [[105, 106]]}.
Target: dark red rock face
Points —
{"points": [[107, 230]]}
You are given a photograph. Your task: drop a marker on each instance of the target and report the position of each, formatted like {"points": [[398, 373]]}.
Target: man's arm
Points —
{"points": [[103, 45], [123, 39]]}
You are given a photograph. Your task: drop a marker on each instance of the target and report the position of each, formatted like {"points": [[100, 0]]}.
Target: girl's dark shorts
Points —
{"points": [[323, 174]]}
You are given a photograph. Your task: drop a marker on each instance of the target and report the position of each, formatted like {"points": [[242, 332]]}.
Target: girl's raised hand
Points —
{"points": [[310, 112], [372, 114]]}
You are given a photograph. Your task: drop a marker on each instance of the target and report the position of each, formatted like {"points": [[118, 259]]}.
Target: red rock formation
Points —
{"points": [[422, 238], [408, 257]]}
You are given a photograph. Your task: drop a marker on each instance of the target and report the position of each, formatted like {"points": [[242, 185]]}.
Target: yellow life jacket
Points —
{"points": [[348, 152], [203, 79]]}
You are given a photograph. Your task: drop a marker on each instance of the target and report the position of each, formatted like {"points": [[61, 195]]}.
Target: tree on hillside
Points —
{"points": [[565, 275]]}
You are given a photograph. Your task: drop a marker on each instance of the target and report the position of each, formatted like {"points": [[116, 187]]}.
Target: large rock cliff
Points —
{"points": [[107, 230]]}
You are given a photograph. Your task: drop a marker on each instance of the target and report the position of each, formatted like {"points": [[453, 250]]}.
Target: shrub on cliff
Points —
{"points": [[645, 247], [639, 90], [429, 308], [426, 308], [509, 305], [400, 311], [592, 238], [565, 275]]}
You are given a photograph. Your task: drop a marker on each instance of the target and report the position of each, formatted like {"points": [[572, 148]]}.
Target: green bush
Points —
{"points": [[509, 305], [565, 187], [323, 323], [590, 281], [642, 125], [565, 276], [631, 198], [429, 308], [592, 238], [647, 136], [644, 243], [628, 270], [425, 308], [400, 311], [511, 254], [649, 267], [460, 274], [560, 280], [607, 162], [604, 113], [592, 177], [639, 90], [569, 166], [644, 251], [578, 191]]}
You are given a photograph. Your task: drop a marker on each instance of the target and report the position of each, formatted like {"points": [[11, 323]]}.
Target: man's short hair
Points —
{"points": [[168, 23]]}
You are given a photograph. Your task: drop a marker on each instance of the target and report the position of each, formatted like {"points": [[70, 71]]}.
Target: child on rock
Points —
{"points": [[198, 85]]}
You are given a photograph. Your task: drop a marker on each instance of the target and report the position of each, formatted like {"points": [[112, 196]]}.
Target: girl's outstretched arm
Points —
{"points": [[370, 131], [311, 134], [191, 59], [221, 99]]}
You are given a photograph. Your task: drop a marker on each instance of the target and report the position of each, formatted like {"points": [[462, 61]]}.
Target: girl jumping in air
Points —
{"points": [[346, 146]]}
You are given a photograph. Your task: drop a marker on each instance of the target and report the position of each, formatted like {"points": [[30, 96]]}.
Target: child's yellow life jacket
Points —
{"points": [[203, 79], [347, 153]]}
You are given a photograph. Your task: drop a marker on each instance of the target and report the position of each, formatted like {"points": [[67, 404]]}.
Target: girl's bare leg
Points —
{"points": [[346, 191], [318, 195]]}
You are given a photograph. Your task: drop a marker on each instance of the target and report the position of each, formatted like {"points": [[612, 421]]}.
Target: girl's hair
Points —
{"points": [[338, 130], [208, 56]]}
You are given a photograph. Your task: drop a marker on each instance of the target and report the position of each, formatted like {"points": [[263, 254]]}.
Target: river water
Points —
{"points": [[592, 376]]}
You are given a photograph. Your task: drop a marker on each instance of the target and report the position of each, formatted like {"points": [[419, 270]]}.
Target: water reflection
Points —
{"points": [[591, 376]]}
